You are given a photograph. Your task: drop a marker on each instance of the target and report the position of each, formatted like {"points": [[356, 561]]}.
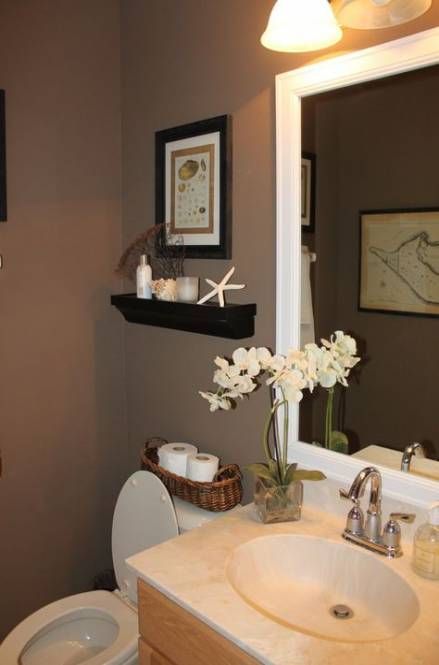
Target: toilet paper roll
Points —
{"points": [[202, 467], [173, 457]]}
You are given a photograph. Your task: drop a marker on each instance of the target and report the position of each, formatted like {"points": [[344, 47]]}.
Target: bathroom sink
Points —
{"points": [[327, 589]]}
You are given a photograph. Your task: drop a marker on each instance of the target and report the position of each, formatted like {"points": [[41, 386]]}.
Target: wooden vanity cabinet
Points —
{"points": [[170, 635]]}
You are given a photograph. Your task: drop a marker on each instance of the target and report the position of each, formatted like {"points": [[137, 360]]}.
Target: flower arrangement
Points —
{"points": [[287, 376]]}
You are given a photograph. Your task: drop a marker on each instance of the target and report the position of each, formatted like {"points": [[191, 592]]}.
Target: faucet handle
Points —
{"points": [[407, 518], [392, 532], [392, 536]]}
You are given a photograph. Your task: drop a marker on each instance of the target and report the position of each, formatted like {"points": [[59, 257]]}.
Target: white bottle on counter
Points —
{"points": [[426, 546], [144, 278]]}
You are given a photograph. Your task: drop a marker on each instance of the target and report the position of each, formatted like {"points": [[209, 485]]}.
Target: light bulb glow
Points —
{"points": [[301, 25], [370, 14]]}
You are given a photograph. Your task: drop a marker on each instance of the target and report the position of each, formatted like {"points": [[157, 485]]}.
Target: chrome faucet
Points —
{"points": [[409, 451], [367, 533]]}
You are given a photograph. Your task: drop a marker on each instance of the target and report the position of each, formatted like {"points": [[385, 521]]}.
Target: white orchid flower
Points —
{"points": [[277, 363], [245, 384], [263, 356], [292, 382], [323, 365], [327, 378], [247, 361], [216, 401], [222, 363], [227, 378]]}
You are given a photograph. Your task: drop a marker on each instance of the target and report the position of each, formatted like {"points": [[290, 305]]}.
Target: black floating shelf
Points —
{"points": [[232, 321]]}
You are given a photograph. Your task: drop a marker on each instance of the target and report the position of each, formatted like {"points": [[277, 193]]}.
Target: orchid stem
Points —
{"points": [[277, 449], [266, 433], [328, 418]]}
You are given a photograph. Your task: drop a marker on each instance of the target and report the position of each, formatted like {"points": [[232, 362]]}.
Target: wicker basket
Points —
{"points": [[223, 493]]}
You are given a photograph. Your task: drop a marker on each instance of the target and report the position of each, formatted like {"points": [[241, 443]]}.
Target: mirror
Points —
{"points": [[376, 273], [374, 140]]}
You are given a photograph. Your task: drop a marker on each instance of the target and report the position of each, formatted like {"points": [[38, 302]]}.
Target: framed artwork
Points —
{"points": [[193, 186], [3, 211], [399, 261], [308, 191]]}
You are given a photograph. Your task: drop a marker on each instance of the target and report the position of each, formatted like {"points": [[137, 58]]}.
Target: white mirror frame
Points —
{"points": [[402, 55]]}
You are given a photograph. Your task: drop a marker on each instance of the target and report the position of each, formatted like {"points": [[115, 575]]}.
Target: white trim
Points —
{"points": [[402, 55]]}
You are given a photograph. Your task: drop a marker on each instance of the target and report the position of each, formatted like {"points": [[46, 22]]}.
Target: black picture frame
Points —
{"points": [[218, 190], [404, 260], [308, 192], [3, 205]]}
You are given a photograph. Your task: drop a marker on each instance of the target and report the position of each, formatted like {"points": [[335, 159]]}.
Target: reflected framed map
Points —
{"points": [[308, 191], [193, 186], [399, 261]]}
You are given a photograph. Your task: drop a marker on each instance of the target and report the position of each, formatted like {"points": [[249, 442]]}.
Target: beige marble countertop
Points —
{"points": [[190, 570]]}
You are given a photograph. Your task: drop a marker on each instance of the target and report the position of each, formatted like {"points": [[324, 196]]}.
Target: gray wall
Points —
{"points": [[185, 61], [62, 421], [65, 442]]}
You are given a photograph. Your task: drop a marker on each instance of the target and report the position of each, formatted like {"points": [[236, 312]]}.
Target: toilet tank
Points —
{"points": [[190, 517]]}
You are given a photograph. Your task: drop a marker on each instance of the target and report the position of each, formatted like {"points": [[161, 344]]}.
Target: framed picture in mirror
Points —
{"points": [[193, 186], [399, 261], [3, 210], [308, 190]]}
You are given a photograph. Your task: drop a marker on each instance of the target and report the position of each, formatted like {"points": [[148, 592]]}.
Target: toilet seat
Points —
{"points": [[118, 645], [100, 627]]}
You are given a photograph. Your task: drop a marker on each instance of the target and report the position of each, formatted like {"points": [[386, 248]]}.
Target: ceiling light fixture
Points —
{"points": [[301, 25], [371, 14]]}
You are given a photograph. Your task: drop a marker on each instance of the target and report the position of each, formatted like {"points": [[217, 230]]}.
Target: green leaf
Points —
{"points": [[301, 474], [290, 472], [339, 442], [274, 470], [263, 471]]}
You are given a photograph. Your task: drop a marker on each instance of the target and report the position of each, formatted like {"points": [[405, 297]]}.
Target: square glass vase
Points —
{"points": [[278, 503]]}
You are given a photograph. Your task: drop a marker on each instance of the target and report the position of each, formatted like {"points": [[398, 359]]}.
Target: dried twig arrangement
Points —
{"points": [[166, 257]]}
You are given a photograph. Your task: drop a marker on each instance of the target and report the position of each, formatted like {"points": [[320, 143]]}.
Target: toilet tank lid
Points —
{"points": [[144, 516]]}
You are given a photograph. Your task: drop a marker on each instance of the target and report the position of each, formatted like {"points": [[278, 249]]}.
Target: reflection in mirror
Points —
{"points": [[376, 273]]}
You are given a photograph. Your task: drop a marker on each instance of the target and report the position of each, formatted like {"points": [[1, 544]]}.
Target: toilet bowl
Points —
{"points": [[100, 627]]}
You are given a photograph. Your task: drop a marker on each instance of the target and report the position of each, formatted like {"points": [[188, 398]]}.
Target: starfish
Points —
{"points": [[218, 289]]}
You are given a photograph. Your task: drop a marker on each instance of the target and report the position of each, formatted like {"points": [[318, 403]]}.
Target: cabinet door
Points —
{"points": [[184, 639], [148, 656]]}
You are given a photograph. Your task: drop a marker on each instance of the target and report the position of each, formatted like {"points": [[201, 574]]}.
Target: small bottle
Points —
{"points": [[426, 546], [143, 279]]}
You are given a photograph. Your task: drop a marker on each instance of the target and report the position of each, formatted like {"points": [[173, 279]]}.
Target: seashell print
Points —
{"points": [[181, 187], [188, 169], [203, 165], [202, 210]]}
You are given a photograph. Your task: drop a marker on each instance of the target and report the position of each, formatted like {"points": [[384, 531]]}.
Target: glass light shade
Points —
{"points": [[370, 14], [301, 25]]}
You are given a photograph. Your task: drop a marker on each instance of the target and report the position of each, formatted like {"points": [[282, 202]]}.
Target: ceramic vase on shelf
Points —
{"points": [[278, 503]]}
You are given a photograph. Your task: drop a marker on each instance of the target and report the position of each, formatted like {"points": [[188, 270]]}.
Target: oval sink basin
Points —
{"points": [[327, 589]]}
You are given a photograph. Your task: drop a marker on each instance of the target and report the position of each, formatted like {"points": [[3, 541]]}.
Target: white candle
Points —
{"points": [[187, 289]]}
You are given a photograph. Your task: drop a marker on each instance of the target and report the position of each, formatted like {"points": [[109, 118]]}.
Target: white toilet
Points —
{"points": [[100, 627]]}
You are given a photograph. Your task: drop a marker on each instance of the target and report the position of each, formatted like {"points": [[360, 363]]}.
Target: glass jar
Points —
{"points": [[278, 503]]}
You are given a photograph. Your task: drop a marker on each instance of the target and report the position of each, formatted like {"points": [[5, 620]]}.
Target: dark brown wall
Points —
{"points": [[378, 143], [184, 61], [62, 424]]}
